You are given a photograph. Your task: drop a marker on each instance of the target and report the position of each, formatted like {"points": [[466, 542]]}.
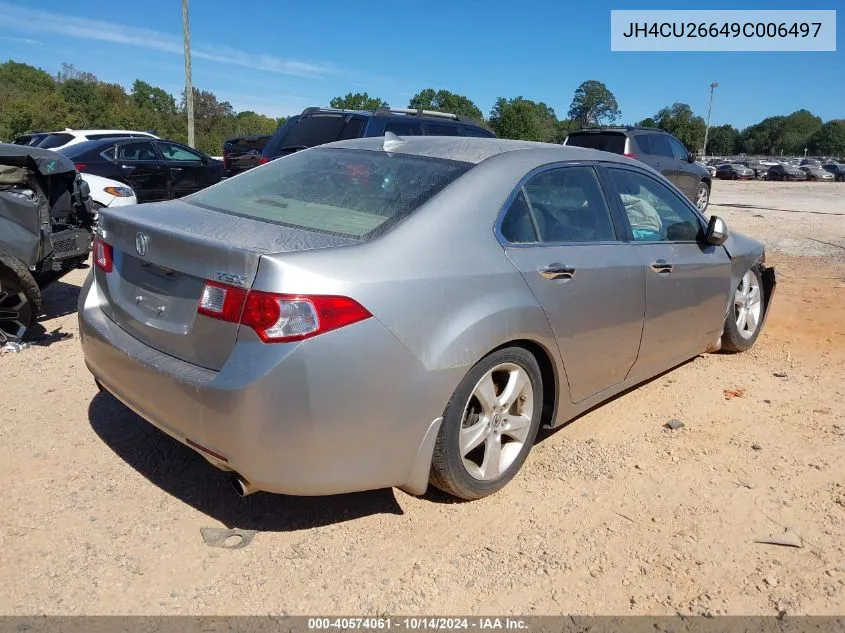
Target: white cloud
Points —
{"points": [[28, 20], [21, 40]]}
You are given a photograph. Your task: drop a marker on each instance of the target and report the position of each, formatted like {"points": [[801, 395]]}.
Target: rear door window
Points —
{"points": [[442, 129], [137, 152], [568, 205], [404, 128], [603, 141], [351, 193], [352, 129], [655, 145], [470, 130]]}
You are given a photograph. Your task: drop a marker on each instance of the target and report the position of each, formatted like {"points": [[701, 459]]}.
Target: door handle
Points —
{"points": [[662, 267], [556, 271]]}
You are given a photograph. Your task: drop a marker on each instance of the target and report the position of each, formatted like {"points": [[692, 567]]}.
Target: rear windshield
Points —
{"points": [[351, 193], [604, 141], [55, 140]]}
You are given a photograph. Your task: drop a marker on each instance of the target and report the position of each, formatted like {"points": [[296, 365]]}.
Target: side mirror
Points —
{"points": [[717, 231], [690, 158]]}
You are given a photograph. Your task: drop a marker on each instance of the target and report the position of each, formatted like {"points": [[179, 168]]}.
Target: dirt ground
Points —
{"points": [[612, 514]]}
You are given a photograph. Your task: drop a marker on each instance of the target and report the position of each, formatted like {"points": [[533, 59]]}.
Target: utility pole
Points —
{"points": [[189, 89], [713, 86]]}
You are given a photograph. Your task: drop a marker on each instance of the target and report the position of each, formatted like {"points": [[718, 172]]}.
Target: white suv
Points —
{"points": [[57, 140]]}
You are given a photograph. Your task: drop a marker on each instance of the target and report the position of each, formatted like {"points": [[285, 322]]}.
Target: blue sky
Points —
{"points": [[279, 57]]}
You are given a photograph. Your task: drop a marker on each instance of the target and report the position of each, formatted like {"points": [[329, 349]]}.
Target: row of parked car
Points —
{"points": [[786, 170]]}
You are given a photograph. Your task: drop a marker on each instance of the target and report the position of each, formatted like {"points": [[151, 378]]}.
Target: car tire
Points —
{"points": [[20, 299], [489, 425], [734, 177], [748, 303], [702, 196]]}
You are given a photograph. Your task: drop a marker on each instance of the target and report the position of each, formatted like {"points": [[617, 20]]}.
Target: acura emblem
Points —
{"points": [[141, 243]]}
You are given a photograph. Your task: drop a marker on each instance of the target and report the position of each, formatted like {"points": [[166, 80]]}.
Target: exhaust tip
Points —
{"points": [[241, 486]]}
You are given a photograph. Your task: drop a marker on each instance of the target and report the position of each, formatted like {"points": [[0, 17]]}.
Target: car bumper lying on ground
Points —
{"points": [[325, 419]]}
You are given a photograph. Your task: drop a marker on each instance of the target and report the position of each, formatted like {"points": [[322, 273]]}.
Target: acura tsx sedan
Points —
{"points": [[403, 311]]}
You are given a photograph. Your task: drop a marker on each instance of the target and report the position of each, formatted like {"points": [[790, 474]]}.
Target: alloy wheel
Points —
{"points": [[496, 421], [748, 305], [15, 314], [702, 198]]}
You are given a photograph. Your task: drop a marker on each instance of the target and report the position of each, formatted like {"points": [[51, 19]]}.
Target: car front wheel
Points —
{"points": [[702, 197], [744, 320], [20, 300], [489, 425]]}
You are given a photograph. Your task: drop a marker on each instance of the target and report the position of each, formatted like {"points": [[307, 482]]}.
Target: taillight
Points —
{"points": [[80, 166], [264, 160], [221, 301], [630, 155], [279, 318], [103, 255]]}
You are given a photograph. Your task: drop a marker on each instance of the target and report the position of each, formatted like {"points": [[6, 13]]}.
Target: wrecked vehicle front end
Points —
{"points": [[46, 224], [46, 219]]}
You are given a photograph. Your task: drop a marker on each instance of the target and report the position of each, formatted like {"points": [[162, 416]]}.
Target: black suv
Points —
{"points": [[317, 126], [657, 149]]}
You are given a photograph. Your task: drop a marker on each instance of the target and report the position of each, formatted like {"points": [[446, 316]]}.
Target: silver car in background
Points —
{"points": [[392, 312]]}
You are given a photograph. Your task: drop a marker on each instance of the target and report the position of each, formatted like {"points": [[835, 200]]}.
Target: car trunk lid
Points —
{"points": [[163, 254]]}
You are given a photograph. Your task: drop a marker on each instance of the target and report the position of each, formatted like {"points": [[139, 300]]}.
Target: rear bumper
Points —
{"points": [[349, 410]]}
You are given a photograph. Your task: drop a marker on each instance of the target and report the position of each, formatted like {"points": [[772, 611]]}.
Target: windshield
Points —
{"points": [[351, 193]]}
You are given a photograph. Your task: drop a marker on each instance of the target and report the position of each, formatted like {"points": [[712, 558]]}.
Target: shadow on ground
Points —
{"points": [[181, 472]]}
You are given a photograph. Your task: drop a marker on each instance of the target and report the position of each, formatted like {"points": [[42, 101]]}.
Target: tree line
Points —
{"points": [[34, 100]]}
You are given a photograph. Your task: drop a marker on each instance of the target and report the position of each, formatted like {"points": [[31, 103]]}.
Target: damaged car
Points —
{"points": [[46, 224]]}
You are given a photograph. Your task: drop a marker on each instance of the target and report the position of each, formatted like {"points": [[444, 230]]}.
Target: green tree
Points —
{"points": [[763, 137], [647, 122], [524, 119], [593, 104], [679, 119], [357, 101], [829, 140], [445, 101], [151, 98], [722, 140], [796, 131]]}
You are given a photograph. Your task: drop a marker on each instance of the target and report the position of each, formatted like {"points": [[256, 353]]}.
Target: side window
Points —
{"points": [[439, 129], [655, 212], [679, 152], [108, 153], [172, 151], [402, 128], [568, 205], [476, 131], [517, 225], [352, 129], [142, 150], [660, 145]]}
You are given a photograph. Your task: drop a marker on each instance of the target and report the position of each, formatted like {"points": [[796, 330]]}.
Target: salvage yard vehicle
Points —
{"points": [[106, 192], [656, 148], [45, 231], [734, 171], [397, 311], [316, 126], [155, 169]]}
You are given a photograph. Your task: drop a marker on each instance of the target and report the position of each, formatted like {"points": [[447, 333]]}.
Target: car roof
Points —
{"points": [[398, 113], [86, 132], [476, 149]]}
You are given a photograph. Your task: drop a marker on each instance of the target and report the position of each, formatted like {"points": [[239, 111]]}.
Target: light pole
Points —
{"points": [[713, 86], [189, 89]]}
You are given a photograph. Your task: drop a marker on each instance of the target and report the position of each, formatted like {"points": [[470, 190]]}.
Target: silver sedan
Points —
{"points": [[398, 311]]}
